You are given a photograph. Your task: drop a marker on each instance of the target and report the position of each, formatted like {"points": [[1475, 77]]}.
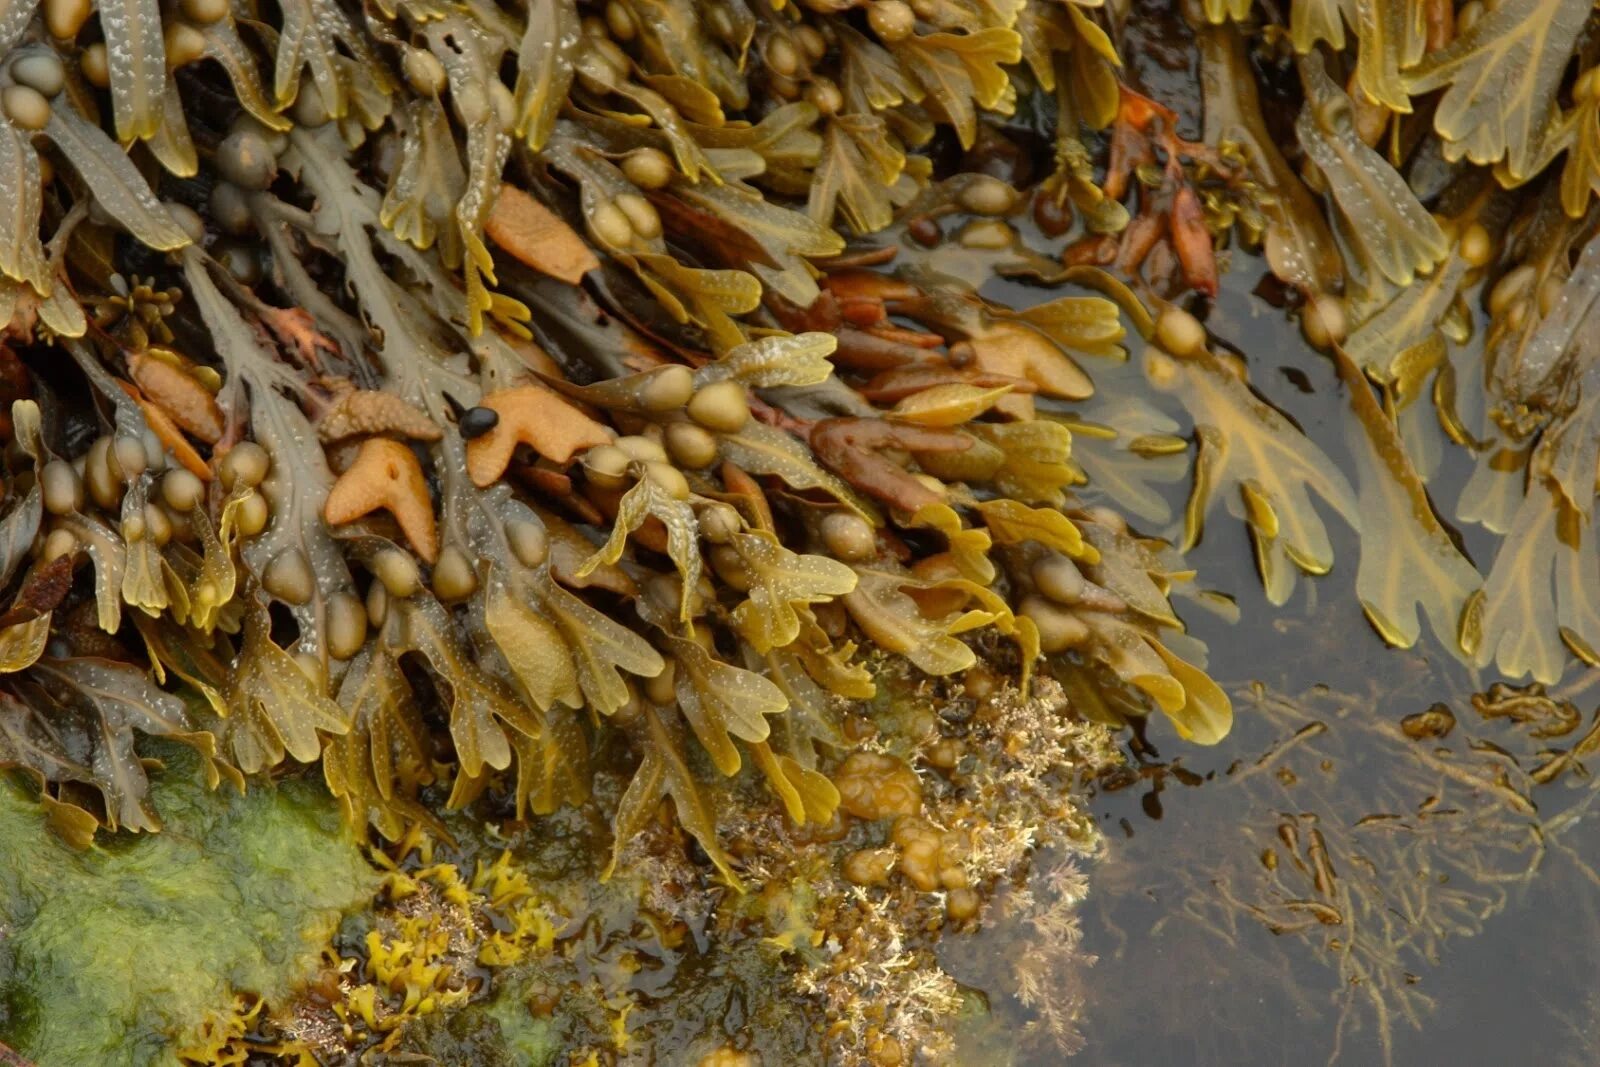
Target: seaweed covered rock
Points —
{"points": [[484, 386], [486, 404], [504, 944], [118, 955]]}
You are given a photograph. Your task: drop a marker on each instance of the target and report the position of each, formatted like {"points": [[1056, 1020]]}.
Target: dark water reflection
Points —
{"points": [[1455, 914]]}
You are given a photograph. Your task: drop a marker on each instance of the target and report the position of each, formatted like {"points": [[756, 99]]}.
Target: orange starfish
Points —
{"points": [[386, 475], [533, 416], [353, 412]]}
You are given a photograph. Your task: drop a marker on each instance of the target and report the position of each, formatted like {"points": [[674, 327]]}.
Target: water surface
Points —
{"points": [[1457, 899]]}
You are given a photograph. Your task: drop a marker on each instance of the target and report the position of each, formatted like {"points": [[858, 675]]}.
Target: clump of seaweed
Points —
{"points": [[487, 387], [446, 433], [479, 386], [227, 912]]}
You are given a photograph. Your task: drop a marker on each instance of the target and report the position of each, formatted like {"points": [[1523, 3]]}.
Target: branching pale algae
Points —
{"points": [[525, 415]]}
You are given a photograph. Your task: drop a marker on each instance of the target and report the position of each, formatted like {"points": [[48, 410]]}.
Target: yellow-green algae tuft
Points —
{"points": [[113, 956]]}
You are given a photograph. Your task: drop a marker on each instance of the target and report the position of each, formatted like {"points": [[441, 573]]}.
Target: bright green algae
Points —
{"points": [[111, 956]]}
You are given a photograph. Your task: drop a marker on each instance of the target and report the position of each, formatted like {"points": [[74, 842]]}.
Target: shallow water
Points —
{"points": [[1460, 916]]}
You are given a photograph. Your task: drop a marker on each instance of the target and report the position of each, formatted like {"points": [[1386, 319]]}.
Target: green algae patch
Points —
{"points": [[112, 956], [503, 1031]]}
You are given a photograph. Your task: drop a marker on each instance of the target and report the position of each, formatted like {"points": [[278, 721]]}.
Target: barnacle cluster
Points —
{"points": [[999, 828]]}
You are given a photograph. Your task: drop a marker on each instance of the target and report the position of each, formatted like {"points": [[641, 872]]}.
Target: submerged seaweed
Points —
{"points": [[1468, 801]]}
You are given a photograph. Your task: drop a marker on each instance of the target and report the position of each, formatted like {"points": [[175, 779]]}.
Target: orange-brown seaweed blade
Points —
{"points": [[534, 235]]}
